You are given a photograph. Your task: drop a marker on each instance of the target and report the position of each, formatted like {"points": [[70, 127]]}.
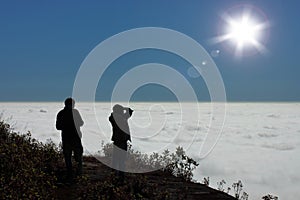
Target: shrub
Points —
{"points": [[269, 197], [27, 166], [178, 163], [181, 165]]}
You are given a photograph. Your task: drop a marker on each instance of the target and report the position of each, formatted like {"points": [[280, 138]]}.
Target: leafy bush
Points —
{"points": [[178, 163], [181, 165], [27, 166], [270, 197]]}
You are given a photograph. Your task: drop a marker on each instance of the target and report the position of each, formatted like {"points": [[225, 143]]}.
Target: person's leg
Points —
{"points": [[117, 163], [68, 159], [122, 159], [122, 164], [115, 157], [78, 150]]}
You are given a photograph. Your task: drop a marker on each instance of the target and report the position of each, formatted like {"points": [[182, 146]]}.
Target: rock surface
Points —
{"points": [[175, 187]]}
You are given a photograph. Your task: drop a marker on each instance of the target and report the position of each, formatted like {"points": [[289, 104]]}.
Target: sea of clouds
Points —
{"points": [[259, 144]]}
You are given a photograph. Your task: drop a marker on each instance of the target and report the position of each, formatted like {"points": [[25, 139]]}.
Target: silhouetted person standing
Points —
{"points": [[69, 122], [121, 134]]}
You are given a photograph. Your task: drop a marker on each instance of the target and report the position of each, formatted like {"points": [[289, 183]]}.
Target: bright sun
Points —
{"points": [[243, 31]]}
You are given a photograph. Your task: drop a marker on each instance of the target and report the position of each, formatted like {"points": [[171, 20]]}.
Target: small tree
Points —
{"points": [[206, 181], [221, 185], [238, 188], [182, 165]]}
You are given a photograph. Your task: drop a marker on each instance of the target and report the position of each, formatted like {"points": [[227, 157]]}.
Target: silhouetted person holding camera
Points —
{"points": [[69, 122], [121, 135]]}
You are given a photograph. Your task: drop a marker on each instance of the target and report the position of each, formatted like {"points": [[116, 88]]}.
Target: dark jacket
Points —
{"points": [[69, 121], [121, 133]]}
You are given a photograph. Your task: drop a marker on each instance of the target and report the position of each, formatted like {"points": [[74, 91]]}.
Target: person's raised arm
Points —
{"points": [[128, 113]]}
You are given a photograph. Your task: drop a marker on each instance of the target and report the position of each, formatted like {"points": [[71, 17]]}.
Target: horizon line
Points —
{"points": [[242, 101]]}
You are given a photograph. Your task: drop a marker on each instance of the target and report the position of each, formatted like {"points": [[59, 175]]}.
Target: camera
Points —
{"points": [[129, 110]]}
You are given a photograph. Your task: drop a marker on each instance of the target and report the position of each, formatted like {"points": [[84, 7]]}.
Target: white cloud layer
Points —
{"points": [[259, 145]]}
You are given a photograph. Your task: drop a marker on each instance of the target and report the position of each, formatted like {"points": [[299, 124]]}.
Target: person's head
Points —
{"points": [[118, 109], [70, 103]]}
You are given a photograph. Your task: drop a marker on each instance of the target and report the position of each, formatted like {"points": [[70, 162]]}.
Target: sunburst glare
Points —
{"points": [[243, 31]]}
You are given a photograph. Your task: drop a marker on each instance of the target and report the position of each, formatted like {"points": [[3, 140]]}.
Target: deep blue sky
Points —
{"points": [[43, 44]]}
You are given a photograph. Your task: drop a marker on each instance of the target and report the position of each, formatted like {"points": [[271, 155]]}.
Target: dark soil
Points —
{"points": [[163, 183]]}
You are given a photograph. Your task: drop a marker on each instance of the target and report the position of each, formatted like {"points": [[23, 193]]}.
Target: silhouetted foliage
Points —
{"points": [[27, 166], [178, 163], [237, 189], [270, 197], [206, 181]]}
